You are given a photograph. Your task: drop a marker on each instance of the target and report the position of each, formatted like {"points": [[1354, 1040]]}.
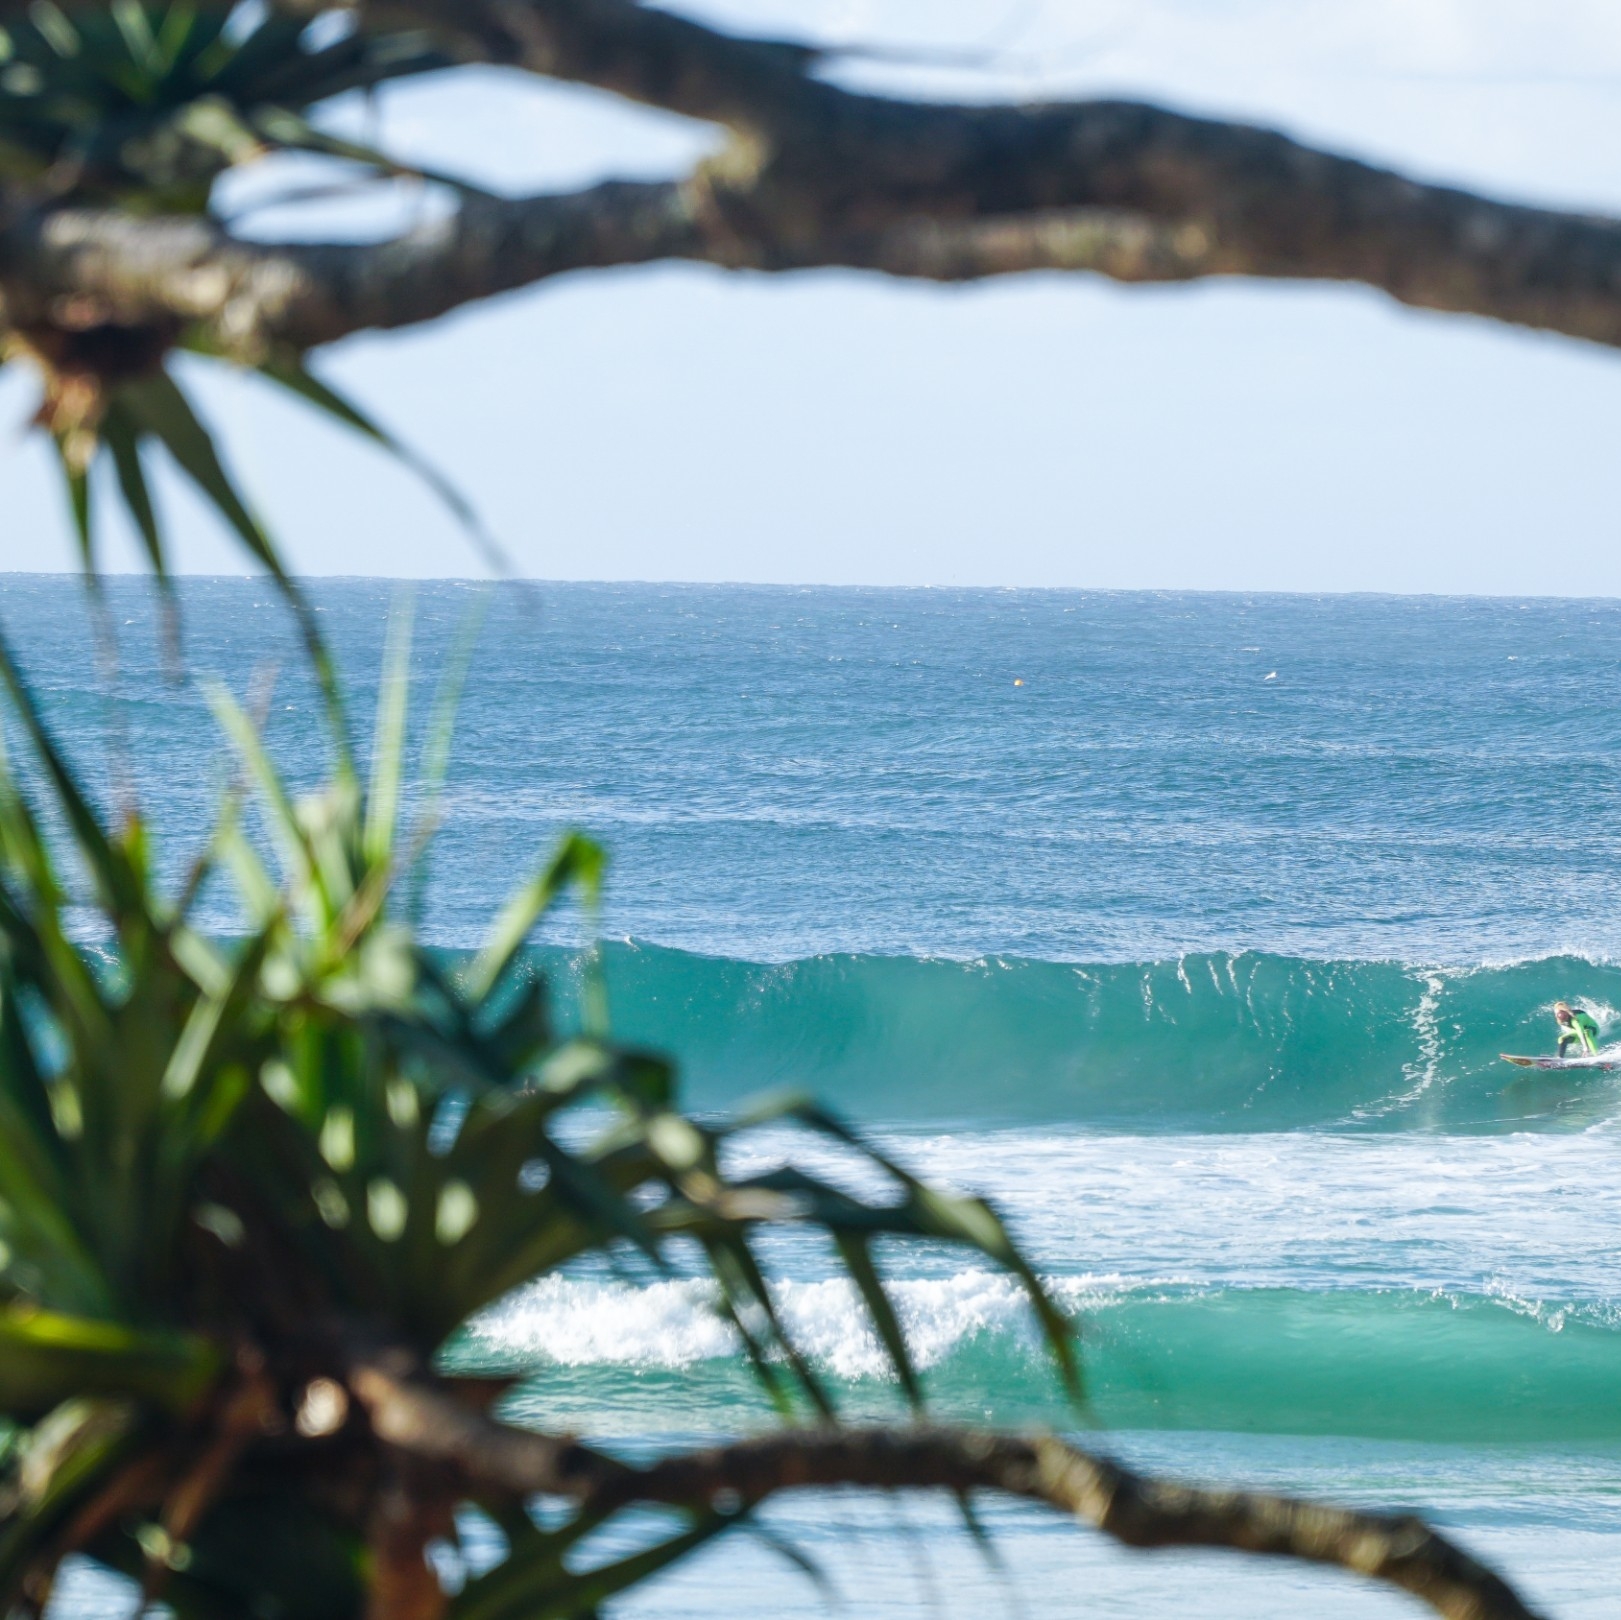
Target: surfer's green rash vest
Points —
{"points": [[1583, 1028]]}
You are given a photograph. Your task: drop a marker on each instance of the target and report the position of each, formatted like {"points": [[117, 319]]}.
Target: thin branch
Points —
{"points": [[86, 268], [635, 51], [1132, 1508], [1402, 1551], [1122, 246], [418, 1417]]}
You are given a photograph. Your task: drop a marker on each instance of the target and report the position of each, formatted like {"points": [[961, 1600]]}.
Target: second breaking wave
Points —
{"points": [[1394, 1364]]}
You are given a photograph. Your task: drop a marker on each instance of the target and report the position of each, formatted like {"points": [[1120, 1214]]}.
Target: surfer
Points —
{"points": [[1576, 1028]]}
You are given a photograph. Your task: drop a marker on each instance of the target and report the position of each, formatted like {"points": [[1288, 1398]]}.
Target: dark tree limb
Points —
{"points": [[814, 175], [818, 175], [639, 52], [421, 1418], [86, 268], [424, 1420], [1132, 1508]]}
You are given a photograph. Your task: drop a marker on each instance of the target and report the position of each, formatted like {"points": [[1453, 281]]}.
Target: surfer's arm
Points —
{"points": [[1570, 1038]]}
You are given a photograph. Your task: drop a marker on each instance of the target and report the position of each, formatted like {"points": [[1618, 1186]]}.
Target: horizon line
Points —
{"points": [[528, 581]]}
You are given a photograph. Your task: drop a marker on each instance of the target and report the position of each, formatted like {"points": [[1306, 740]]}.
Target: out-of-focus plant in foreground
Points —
{"points": [[143, 105], [248, 1190]]}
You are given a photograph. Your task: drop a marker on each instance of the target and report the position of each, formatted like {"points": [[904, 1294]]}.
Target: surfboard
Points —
{"points": [[1589, 1062]]}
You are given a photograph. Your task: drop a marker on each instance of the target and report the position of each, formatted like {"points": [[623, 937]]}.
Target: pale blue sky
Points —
{"points": [[678, 423]]}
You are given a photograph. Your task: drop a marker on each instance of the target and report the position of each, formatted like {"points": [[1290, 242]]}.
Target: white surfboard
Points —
{"points": [[1590, 1060]]}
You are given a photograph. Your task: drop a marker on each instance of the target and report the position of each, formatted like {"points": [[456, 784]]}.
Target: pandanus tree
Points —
{"points": [[251, 1188], [142, 108]]}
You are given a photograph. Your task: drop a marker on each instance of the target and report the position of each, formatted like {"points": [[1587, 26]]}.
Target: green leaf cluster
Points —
{"points": [[231, 1172], [143, 105], [140, 106]]}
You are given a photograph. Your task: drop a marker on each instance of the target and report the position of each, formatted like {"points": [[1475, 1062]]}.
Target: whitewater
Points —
{"points": [[1186, 928]]}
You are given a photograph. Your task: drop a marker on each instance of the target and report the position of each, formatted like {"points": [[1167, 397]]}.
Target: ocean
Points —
{"points": [[1187, 928]]}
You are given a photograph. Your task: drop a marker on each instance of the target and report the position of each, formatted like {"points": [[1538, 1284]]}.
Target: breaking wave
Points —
{"points": [[1383, 1364], [1246, 1042]]}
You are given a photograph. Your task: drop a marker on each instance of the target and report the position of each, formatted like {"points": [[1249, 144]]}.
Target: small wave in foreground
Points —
{"points": [[1379, 1364]]}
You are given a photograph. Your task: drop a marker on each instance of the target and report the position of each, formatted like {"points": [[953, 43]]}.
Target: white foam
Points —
{"points": [[573, 1322]]}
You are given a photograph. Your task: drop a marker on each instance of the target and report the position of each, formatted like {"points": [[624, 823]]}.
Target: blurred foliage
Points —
{"points": [[231, 1171], [140, 106], [143, 106]]}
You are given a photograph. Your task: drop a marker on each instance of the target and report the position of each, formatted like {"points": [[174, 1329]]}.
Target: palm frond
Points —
{"points": [[229, 1171]]}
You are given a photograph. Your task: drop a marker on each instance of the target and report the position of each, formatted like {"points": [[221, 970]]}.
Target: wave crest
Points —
{"points": [[1399, 1364], [673, 1324]]}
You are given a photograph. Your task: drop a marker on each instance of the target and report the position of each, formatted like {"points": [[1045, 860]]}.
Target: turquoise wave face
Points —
{"points": [[1372, 1364], [1209, 1042], [1382, 1366]]}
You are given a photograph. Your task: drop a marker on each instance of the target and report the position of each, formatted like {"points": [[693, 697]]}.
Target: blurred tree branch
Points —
{"points": [[1138, 1511], [815, 175]]}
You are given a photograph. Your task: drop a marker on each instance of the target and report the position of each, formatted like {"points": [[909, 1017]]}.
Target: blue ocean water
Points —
{"points": [[1187, 927]]}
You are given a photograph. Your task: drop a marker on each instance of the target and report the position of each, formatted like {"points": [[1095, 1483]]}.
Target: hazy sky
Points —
{"points": [[679, 423]]}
